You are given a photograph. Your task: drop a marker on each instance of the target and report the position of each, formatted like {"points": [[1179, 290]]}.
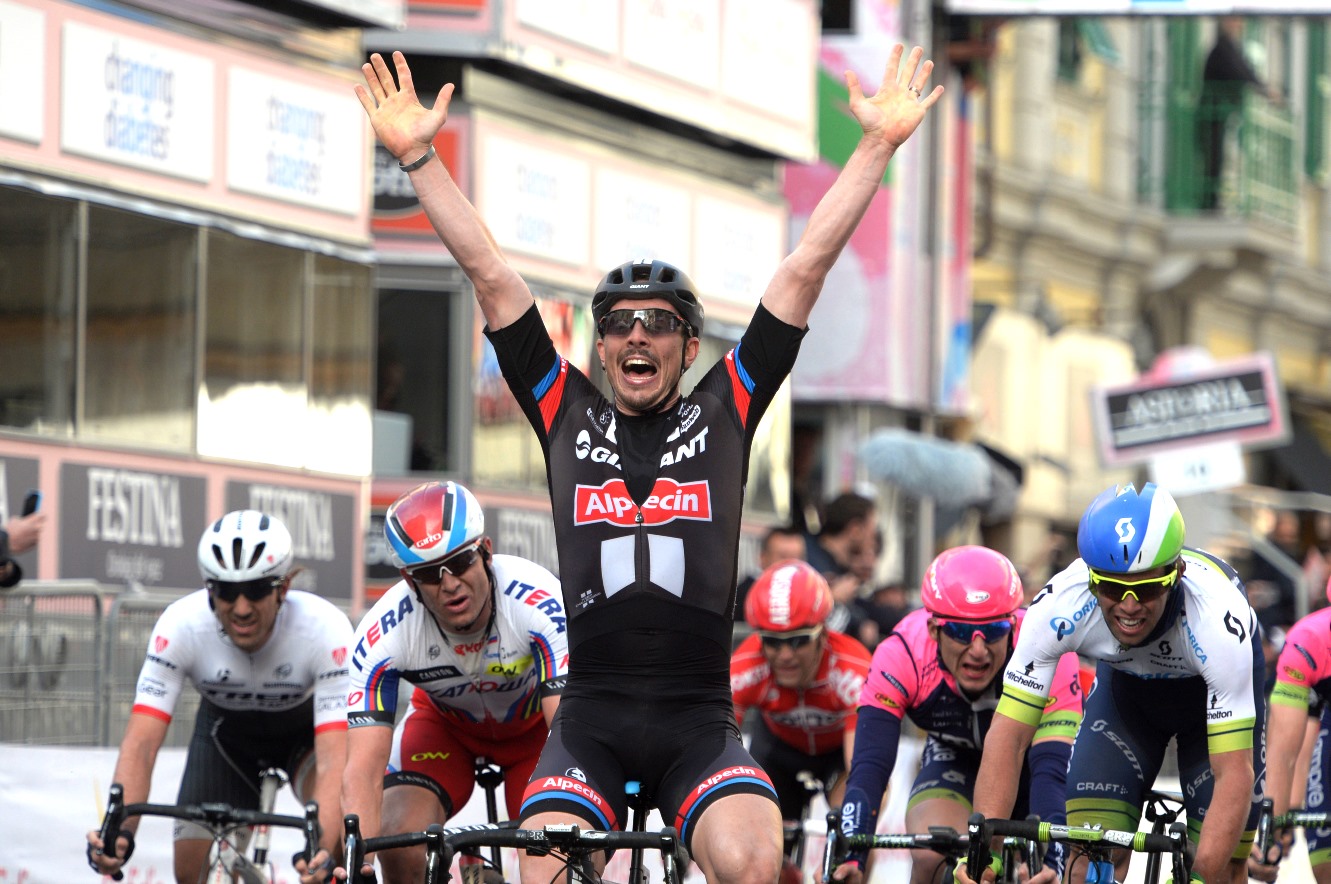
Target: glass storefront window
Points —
{"points": [[340, 375], [38, 311], [413, 389], [252, 402], [142, 280]]}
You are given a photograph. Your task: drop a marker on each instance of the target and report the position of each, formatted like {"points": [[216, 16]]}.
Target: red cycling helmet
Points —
{"points": [[787, 596], [971, 583]]}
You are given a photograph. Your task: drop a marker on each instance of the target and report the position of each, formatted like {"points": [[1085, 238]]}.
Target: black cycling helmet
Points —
{"points": [[644, 279]]}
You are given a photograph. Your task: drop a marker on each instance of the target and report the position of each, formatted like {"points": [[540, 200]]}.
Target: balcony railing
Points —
{"points": [[1227, 156]]}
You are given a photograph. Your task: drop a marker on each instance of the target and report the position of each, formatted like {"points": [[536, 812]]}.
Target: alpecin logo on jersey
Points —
{"points": [[668, 501]]}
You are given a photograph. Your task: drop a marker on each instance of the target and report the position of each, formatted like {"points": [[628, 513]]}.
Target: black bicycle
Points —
{"points": [[943, 840], [1095, 843], [575, 846], [225, 864]]}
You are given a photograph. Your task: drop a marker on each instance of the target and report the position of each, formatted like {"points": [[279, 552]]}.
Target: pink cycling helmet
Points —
{"points": [[789, 595], [971, 583]]}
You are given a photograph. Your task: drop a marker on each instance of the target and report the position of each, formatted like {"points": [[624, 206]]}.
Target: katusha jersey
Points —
{"points": [[304, 658], [1305, 662], [906, 678], [498, 677], [813, 719], [1206, 630]]}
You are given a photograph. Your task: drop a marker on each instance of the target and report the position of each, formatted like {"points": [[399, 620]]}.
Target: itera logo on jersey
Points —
{"points": [[668, 501]]}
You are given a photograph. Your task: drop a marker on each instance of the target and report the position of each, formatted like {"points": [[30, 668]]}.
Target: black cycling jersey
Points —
{"points": [[638, 572], [648, 576]]}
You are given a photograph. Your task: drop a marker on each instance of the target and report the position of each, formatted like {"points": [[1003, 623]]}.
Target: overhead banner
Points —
{"points": [[1137, 7], [1236, 401]]}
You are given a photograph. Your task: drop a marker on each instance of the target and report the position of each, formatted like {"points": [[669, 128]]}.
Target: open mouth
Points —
{"points": [[638, 369], [1131, 625]]}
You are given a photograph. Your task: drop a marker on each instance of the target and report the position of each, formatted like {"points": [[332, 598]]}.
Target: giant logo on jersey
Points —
{"points": [[668, 501]]}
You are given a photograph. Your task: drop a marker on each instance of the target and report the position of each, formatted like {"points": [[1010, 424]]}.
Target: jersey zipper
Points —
{"points": [[641, 558]]}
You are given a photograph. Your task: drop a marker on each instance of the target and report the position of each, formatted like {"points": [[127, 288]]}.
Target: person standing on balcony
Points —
{"points": [[1226, 75]]}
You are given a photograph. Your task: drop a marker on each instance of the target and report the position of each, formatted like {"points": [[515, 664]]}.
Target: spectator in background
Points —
{"points": [[849, 523], [780, 542], [886, 606], [1271, 591], [1225, 79], [849, 526], [18, 535]]}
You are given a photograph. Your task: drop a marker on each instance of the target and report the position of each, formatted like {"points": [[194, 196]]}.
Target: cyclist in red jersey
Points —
{"points": [[804, 680], [647, 488]]}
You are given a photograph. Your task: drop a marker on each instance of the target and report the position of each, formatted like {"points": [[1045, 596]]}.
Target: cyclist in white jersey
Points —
{"points": [[270, 665], [482, 637], [1173, 638]]}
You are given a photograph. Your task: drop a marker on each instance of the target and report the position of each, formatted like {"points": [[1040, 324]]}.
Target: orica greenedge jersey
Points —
{"points": [[1207, 630]]}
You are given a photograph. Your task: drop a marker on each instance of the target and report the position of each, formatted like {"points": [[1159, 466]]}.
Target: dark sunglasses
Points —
{"points": [[454, 566], [1145, 590], [964, 631], [254, 590], [775, 641], [655, 321]]}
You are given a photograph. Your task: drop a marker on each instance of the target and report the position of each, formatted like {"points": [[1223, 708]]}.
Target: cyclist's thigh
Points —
{"points": [[215, 771], [1195, 776], [190, 859], [1317, 799], [517, 757], [947, 773], [783, 763], [579, 774], [1126, 727], [429, 753], [709, 762]]}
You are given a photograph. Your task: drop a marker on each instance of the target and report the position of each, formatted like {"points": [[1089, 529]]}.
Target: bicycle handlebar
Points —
{"points": [[538, 842], [1268, 824], [211, 814], [981, 830]]}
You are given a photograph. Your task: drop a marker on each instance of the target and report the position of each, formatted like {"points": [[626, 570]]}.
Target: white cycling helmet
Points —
{"points": [[245, 545]]}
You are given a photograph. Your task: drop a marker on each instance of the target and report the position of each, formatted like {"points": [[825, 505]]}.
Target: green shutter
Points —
{"points": [[1319, 93]]}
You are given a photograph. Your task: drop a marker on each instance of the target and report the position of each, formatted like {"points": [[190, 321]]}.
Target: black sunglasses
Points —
{"points": [[254, 590], [454, 566], [655, 321], [775, 641]]}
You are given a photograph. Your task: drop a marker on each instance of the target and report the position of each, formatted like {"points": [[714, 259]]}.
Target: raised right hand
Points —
{"points": [[405, 126]]}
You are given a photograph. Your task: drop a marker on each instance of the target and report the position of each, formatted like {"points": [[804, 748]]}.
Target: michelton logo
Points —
{"points": [[668, 501]]}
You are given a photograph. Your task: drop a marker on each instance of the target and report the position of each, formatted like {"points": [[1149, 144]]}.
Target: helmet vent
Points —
{"points": [[258, 551], [263, 523], [450, 501], [217, 554]]}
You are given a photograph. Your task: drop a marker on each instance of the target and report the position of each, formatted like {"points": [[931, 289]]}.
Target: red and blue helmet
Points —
{"points": [[431, 522]]}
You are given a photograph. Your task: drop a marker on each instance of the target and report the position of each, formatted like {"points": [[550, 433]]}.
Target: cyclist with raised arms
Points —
{"points": [[804, 681], [1303, 675], [647, 489], [941, 666], [1172, 636], [482, 637], [270, 666]]}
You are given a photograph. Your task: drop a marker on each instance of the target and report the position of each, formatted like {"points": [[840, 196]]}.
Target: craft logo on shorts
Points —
{"points": [[668, 501]]}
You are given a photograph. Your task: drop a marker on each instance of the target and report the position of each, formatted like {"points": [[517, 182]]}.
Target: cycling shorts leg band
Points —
{"points": [[415, 778]]}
